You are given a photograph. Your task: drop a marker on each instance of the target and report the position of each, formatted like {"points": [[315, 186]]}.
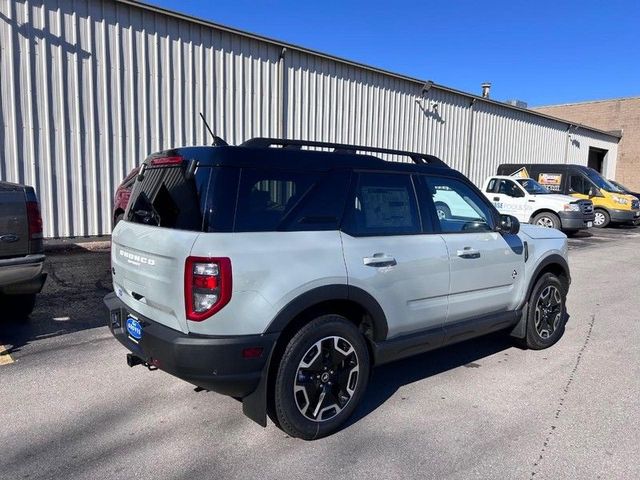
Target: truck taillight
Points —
{"points": [[35, 221], [207, 286]]}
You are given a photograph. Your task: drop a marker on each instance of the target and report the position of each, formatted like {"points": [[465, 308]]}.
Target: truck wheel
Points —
{"points": [[601, 219], [546, 313], [547, 220], [443, 210], [321, 378], [17, 307]]}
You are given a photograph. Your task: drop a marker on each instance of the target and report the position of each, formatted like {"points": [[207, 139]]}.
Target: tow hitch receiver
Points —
{"points": [[133, 360]]}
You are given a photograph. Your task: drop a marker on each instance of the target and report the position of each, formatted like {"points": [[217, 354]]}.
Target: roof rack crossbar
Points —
{"points": [[419, 158]]}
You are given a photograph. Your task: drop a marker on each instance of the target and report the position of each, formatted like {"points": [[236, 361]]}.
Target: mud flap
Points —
{"points": [[254, 405], [520, 328]]}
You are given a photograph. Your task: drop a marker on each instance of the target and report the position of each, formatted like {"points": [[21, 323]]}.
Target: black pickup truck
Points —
{"points": [[21, 251]]}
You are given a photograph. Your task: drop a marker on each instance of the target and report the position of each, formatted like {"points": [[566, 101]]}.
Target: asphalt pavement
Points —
{"points": [[483, 409]]}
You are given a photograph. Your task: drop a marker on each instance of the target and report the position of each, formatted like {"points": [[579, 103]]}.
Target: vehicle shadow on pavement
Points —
{"points": [[70, 301], [387, 379]]}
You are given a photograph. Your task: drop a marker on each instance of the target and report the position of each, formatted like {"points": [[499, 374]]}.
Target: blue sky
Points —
{"points": [[543, 52]]}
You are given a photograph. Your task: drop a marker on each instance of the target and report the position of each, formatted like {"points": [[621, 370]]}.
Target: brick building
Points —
{"points": [[621, 114]]}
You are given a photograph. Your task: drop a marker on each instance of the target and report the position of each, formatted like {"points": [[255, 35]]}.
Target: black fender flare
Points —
{"points": [[326, 293], [520, 329]]}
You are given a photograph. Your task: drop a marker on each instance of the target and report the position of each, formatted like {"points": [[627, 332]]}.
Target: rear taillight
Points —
{"points": [[166, 161], [207, 286], [35, 221]]}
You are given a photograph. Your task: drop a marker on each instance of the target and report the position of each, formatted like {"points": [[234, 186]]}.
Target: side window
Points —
{"points": [[578, 184], [265, 197], [492, 185], [382, 204], [508, 187], [460, 209]]}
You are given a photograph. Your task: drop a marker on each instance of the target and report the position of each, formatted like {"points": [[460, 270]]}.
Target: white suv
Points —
{"points": [[282, 275]]}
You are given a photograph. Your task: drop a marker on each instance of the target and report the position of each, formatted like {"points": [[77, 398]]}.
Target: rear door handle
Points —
{"points": [[379, 260], [468, 252]]}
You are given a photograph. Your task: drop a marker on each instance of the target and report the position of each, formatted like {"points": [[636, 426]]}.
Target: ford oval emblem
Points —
{"points": [[134, 328], [9, 238]]}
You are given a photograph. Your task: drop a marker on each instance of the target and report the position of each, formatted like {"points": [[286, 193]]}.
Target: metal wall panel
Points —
{"points": [[88, 88]]}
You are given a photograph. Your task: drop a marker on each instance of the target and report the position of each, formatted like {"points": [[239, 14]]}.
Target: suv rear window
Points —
{"points": [[166, 197]]}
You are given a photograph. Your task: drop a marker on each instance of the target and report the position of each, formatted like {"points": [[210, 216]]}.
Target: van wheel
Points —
{"points": [[547, 313], [602, 218], [547, 220], [443, 210], [321, 378]]}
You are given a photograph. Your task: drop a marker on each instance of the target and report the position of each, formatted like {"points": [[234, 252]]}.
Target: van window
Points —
{"points": [[579, 184], [382, 204]]}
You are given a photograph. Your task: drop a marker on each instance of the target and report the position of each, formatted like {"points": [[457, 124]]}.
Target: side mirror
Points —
{"points": [[595, 192], [508, 224]]}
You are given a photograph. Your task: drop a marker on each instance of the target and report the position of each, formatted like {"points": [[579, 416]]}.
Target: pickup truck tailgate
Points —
{"points": [[14, 226]]}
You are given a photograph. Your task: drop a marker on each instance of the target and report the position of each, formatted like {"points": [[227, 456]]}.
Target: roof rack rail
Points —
{"points": [[419, 158]]}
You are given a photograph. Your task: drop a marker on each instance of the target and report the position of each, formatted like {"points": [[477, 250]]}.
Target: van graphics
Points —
{"points": [[552, 181], [521, 173]]}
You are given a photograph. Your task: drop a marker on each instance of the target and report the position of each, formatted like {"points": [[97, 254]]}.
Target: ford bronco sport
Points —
{"points": [[280, 272]]}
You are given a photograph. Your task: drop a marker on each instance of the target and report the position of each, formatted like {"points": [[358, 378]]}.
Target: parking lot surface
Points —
{"points": [[71, 408]]}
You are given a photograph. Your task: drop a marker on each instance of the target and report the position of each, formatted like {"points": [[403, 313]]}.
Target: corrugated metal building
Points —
{"points": [[90, 87]]}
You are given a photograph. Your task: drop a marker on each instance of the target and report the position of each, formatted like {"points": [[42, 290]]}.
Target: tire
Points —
{"points": [[18, 307], [443, 210], [547, 220], [546, 316], [315, 394], [602, 218]]}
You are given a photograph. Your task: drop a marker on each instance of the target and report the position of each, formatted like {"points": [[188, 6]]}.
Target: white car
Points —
{"points": [[530, 202]]}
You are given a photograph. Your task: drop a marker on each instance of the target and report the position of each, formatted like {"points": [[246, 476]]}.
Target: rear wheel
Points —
{"points": [[602, 218], [17, 307], [547, 313], [547, 220], [321, 378]]}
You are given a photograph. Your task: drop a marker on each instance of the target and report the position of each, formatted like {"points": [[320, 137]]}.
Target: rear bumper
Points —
{"points": [[622, 216], [22, 275], [575, 220], [214, 363]]}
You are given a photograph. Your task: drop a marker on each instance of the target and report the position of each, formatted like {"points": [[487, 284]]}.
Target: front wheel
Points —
{"points": [[321, 378], [601, 218], [17, 308], [547, 313], [547, 220]]}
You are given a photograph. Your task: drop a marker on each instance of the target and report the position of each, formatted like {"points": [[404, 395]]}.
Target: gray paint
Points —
{"points": [[88, 88]]}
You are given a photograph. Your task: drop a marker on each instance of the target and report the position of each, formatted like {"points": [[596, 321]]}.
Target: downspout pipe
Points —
{"points": [[282, 95]]}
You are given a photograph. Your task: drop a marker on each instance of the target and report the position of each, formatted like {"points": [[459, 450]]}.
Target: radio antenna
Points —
{"points": [[217, 141]]}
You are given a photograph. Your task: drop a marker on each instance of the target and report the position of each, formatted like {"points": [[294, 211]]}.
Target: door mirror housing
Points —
{"points": [[595, 192], [508, 224]]}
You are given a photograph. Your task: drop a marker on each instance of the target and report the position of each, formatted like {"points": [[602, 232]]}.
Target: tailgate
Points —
{"points": [[148, 270], [14, 225]]}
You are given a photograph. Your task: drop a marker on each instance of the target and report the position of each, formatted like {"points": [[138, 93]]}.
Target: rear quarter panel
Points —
{"points": [[270, 269]]}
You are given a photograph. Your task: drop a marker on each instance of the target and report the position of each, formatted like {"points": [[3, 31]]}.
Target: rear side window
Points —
{"points": [[266, 198], [382, 204]]}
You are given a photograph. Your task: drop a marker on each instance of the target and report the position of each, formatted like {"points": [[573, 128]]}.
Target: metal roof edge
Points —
{"points": [[208, 23], [587, 102]]}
